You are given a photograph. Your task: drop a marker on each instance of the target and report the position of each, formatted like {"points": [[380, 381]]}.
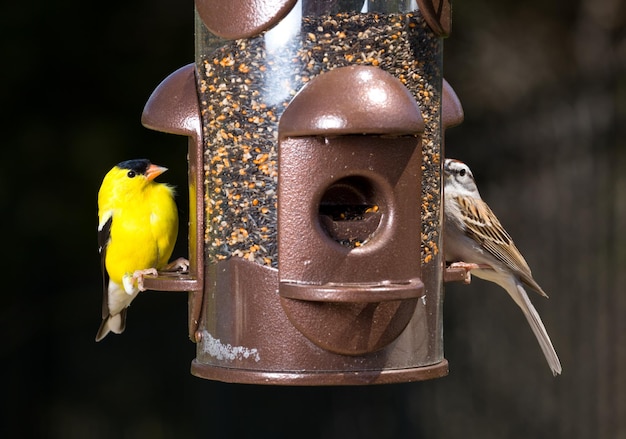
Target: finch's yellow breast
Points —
{"points": [[144, 224]]}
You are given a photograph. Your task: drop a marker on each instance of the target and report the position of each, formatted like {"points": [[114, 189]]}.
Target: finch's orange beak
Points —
{"points": [[154, 171]]}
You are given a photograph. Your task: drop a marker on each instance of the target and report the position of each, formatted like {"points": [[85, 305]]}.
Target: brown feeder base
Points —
{"points": [[305, 378]]}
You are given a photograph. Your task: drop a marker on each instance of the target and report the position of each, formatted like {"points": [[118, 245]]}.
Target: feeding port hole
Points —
{"points": [[350, 211]]}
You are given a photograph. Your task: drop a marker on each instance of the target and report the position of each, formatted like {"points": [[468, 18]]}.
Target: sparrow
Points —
{"points": [[137, 230], [475, 240]]}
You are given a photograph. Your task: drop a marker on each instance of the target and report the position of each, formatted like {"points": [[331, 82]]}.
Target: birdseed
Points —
{"points": [[245, 86]]}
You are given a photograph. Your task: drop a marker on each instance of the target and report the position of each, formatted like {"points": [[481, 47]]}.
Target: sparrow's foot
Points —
{"points": [[468, 267], [180, 264], [139, 275]]}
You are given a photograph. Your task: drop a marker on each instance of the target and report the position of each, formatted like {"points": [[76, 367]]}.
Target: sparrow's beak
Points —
{"points": [[154, 171]]}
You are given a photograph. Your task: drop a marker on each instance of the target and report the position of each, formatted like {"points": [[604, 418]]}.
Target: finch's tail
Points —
{"points": [[115, 324]]}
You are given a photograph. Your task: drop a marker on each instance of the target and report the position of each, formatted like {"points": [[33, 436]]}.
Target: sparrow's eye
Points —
{"points": [[131, 174], [462, 172]]}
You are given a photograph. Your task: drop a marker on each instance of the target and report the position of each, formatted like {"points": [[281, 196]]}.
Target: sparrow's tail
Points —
{"points": [[521, 298], [115, 324]]}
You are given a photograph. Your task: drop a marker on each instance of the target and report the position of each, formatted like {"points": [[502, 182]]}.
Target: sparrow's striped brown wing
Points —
{"points": [[483, 226]]}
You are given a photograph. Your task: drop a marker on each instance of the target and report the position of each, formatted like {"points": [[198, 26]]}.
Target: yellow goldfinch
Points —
{"points": [[137, 229]]}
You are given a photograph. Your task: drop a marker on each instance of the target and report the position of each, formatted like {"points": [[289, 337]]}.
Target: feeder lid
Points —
{"points": [[437, 14], [235, 19], [352, 100]]}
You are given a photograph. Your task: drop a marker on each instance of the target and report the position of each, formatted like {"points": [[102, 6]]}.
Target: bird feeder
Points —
{"points": [[315, 153]]}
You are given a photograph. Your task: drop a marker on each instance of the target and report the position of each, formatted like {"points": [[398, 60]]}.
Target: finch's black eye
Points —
{"points": [[131, 174], [462, 172]]}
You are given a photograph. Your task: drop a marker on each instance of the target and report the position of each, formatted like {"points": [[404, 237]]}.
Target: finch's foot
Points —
{"points": [[139, 275], [180, 264], [468, 267]]}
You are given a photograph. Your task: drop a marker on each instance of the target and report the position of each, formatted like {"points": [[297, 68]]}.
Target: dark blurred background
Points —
{"points": [[543, 85]]}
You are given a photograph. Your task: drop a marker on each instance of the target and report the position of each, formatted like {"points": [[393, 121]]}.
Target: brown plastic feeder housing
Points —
{"points": [[315, 152]]}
